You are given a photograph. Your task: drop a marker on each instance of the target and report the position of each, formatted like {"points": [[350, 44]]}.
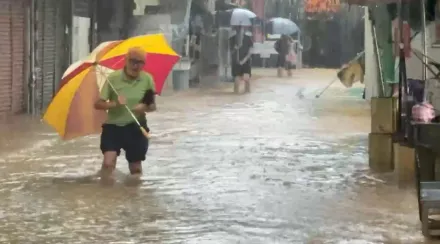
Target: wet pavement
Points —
{"points": [[273, 166]]}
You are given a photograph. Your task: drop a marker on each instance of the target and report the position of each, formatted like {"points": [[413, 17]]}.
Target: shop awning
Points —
{"points": [[371, 2]]}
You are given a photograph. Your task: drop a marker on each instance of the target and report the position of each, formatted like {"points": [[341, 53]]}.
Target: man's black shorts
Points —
{"points": [[128, 137], [238, 70]]}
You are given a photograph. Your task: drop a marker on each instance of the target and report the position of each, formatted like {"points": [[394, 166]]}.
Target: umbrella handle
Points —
{"points": [[144, 132]]}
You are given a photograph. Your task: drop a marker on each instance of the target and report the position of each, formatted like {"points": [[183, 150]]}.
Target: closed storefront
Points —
{"points": [[82, 36], [12, 61], [51, 43]]}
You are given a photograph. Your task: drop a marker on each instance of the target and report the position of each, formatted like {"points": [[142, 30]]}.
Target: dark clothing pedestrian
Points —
{"points": [[283, 48], [239, 54], [281, 61]]}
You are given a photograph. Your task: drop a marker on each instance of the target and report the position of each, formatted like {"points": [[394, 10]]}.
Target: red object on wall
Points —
{"points": [[406, 38], [258, 8]]}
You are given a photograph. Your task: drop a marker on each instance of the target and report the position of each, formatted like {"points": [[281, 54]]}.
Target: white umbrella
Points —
{"points": [[241, 17], [283, 26]]}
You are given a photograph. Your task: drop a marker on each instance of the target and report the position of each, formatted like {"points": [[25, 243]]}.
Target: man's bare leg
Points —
{"points": [[108, 166], [135, 173], [280, 72], [135, 168], [289, 72], [237, 84], [247, 83]]}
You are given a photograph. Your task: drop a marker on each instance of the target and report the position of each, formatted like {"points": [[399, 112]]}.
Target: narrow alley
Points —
{"points": [[273, 166]]}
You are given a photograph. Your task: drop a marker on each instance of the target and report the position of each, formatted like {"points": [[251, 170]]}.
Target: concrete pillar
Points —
{"points": [[168, 86], [380, 152], [383, 125], [383, 114], [404, 165]]}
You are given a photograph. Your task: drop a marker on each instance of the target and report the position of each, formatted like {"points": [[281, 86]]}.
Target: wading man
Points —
{"points": [[241, 45], [134, 88]]}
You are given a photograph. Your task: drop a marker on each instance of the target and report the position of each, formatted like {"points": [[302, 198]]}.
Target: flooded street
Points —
{"points": [[273, 166]]}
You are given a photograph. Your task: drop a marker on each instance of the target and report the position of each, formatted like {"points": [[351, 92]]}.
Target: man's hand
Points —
{"points": [[122, 100], [151, 108], [104, 105], [112, 104], [248, 56], [139, 109]]}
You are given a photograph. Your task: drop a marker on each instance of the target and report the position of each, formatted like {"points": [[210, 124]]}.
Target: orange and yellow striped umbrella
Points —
{"points": [[71, 112]]}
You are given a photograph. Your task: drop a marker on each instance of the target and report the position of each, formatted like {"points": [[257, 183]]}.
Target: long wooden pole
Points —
{"points": [[424, 39]]}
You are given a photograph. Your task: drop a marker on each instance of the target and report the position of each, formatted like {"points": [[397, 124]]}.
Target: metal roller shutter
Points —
{"points": [[81, 8], [5, 61], [62, 43], [51, 42], [12, 27], [18, 12]]}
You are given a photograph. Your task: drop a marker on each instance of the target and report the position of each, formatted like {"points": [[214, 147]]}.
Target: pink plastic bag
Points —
{"points": [[291, 57], [423, 112]]}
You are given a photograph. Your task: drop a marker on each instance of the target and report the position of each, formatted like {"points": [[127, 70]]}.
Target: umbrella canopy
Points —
{"points": [[71, 112], [160, 58], [279, 26], [241, 17]]}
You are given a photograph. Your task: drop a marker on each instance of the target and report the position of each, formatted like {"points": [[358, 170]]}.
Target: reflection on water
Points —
{"points": [[268, 167]]}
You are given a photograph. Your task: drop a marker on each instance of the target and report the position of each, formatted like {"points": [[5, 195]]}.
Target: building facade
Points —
{"points": [[14, 51], [44, 38]]}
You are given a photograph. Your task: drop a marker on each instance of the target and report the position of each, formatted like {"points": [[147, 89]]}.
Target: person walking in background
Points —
{"points": [[195, 34], [241, 45], [136, 90], [286, 55]]}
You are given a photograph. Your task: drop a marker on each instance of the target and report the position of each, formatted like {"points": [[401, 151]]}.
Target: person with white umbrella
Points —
{"points": [[284, 46], [286, 55], [282, 26], [241, 45]]}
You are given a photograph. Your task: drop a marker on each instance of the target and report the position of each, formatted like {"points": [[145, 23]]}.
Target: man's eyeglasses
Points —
{"points": [[136, 62]]}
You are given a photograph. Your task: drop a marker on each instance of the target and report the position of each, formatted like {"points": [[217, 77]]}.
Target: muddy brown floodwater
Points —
{"points": [[273, 166]]}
